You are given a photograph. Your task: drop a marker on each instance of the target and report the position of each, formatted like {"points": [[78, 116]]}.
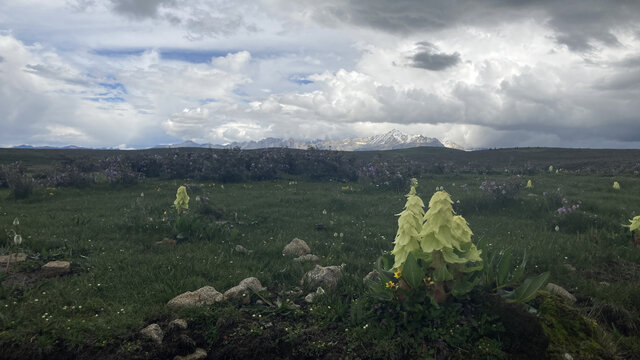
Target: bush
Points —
{"points": [[15, 177]]}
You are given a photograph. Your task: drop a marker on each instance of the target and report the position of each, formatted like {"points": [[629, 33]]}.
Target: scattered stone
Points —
{"points": [[325, 277], [373, 276], [13, 258], [167, 241], [309, 297], [308, 257], [243, 250], [242, 291], [295, 248], [296, 291], [199, 354], [560, 291], [185, 344], [177, 325], [55, 268], [153, 332], [567, 356], [206, 295], [569, 267]]}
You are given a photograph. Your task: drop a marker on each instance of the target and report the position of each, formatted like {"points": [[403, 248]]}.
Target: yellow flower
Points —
{"points": [[182, 199], [389, 284], [616, 185], [529, 184], [550, 168], [398, 273]]}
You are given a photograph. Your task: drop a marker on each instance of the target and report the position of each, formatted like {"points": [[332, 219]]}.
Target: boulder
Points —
{"points": [[185, 344], [373, 276], [308, 257], [197, 355], [242, 250], [206, 295], [325, 277], [13, 258], [55, 268], [177, 325], [243, 290], [560, 291], [297, 247], [153, 332]]}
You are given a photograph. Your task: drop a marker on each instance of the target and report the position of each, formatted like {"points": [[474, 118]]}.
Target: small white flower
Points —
{"points": [[341, 235], [141, 194], [17, 239], [16, 222], [324, 212], [557, 228]]}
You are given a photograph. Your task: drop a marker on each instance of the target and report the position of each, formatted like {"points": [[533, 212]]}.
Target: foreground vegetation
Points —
{"points": [[567, 223]]}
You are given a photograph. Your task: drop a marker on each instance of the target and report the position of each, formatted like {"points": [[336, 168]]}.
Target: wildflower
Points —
{"points": [[389, 284], [557, 228], [529, 184], [182, 199], [635, 224], [141, 194], [16, 222], [616, 185], [17, 239], [398, 273], [550, 168], [324, 212]]}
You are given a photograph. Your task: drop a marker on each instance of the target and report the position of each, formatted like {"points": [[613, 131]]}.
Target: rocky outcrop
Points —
{"points": [[206, 295]]}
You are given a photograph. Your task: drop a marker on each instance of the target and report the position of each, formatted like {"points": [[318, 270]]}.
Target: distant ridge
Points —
{"points": [[392, 140]]}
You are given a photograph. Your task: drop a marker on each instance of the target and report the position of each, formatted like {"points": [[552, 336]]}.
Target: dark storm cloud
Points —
{"points": [[428, 58], [140, 8], [1, 59], [578, 24]]}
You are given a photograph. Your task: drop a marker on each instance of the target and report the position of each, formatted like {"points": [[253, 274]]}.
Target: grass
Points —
{"points": [[121, 280]]}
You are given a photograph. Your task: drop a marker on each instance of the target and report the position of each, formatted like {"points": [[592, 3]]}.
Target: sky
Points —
{"points": [[479, 73]]}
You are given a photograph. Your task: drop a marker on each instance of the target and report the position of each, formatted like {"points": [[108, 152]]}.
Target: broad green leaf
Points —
{"points": [[412, 273], [442, 274], [527, 291], [503, 268]]}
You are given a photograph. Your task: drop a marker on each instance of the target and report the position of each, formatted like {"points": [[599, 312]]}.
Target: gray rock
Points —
{"points": [[177, 325], [309, 297], [185, 344], [55, 268], [308, 257], [242, 291], [295, 248], [373, 276], [153, 332], [199, 354], [206, 295], [560, 291], [13, 258], [243, 250], [325, 277]]}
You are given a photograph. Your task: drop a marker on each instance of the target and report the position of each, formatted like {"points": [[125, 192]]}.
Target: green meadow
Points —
{"points": [[121, 278]]}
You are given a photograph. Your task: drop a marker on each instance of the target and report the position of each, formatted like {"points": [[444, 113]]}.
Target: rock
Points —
{"points": [[560, 291], [325, 277], [243, 291], [567, 356], [242, 250], [569, 267], [197, 355], [295, 248], [308, 257], [296, 291], [206, 295], [185, 344], [153, 332], [13, 258], [309, 297], [55, 268], [373, 276], [177, 325]]}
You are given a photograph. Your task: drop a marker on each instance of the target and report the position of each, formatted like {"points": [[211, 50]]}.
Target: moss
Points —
{"points": [[568, 330]]}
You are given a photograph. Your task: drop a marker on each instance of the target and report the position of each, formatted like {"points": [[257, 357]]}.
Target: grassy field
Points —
{"points": [[121, 279]]}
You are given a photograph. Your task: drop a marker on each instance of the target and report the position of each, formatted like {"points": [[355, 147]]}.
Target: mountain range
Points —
{"points": [[394, 139]]}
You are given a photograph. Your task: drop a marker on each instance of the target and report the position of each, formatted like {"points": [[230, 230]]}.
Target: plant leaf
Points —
{"points": [[412, 273], [527, 291]]}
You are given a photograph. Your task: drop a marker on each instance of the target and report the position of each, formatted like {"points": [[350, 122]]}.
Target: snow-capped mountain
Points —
{"points": [[394, 139]]}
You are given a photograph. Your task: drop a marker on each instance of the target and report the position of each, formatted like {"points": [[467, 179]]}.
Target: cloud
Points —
{"points": [[140, 8], [427, 58], [579, 24]]}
